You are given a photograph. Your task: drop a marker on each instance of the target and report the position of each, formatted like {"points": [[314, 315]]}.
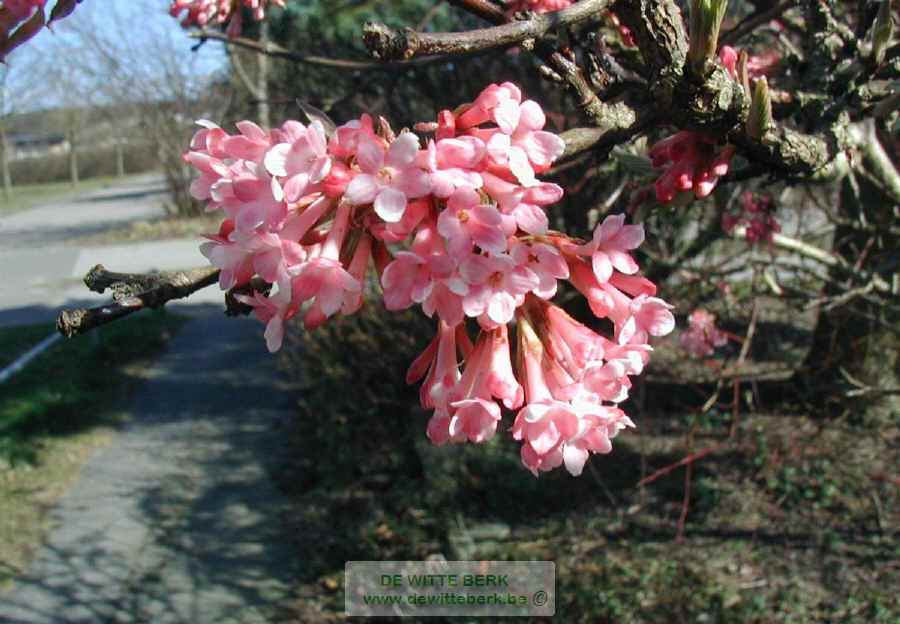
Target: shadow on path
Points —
{"points": [[178, 519]]}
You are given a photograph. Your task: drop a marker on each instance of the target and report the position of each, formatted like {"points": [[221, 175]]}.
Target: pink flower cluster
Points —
{"points": [[702, 336], [20, 20], [756, 214], [757, 65], [457, 226], [692, 161], [536, 6], [205, 12]]}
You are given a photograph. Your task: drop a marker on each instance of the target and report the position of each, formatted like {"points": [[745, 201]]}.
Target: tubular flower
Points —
{"points": [[757, 214], [702, 336], [456, 224], [20, 20], [203, 13], [690, 162], [537, 6]]}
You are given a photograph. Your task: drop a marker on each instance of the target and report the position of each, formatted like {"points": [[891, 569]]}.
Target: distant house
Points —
{"points": [[24, 146]]}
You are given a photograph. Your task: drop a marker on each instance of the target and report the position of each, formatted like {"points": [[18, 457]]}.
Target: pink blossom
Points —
{"points": [[347, 138], [301, 162], [523, 204], [497, 103], [207, 12], [467, 221], [545, 261], [20, 21], [324, 277], [23, 9], [757, 214], [702, 336], [273, 311], [537, 6], [452, 164], [389, 177], [235, 266], [460, 229], [525, 148], [475, 414], [610, 246], [690, 161], [498, 287]]}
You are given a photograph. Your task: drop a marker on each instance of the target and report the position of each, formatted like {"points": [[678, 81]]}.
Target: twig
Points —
{"points": [[276, 51], [484, 9], [683, 462], [819, 255], [752, 21], [389, 44], [132, 292]]}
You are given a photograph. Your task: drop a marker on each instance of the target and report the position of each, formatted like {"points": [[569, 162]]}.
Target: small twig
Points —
{"points": [[750, 23], [132, 292], [484, 9], [276, 51], [683, 462]]}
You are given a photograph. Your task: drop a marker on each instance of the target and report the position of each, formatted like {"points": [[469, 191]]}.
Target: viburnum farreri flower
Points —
{"points": [[204, 13], [456, 223]]}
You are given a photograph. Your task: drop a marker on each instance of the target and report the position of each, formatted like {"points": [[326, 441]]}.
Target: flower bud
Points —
{"points": [[338, 179], [63, 8], [760, 110], [706, 19], [743, 75]]}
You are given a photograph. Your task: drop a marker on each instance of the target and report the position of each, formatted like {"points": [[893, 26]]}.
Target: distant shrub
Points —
{"points": [[92, 163]]}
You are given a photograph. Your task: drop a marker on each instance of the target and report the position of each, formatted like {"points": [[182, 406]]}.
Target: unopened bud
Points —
{"points": [[63, 8], [760, 110], [882, 31], [23, 33], [743, 75], [706, 19]]}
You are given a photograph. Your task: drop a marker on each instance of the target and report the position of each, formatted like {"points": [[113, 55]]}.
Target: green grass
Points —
{"points": [[67, 388], [56, 412], [14, 341], [30, 195]]}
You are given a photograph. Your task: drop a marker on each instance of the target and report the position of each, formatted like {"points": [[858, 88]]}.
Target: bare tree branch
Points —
{"points": [[389, 44], [132, 292]]}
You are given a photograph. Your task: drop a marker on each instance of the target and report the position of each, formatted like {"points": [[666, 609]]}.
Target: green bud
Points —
{"points": [[760, 118], [742, 74], [882, 31], [706, 20]]}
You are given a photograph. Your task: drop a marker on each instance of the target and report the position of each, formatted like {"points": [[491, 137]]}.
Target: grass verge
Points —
{"points": [[56, 411], [164, 228], [29, 195]]}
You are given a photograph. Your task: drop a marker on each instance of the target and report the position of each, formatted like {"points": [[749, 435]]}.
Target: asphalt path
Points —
{"points": [[42, 263]]}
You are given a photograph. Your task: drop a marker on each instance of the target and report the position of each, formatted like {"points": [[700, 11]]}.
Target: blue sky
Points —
{"points": [[137, 22]]}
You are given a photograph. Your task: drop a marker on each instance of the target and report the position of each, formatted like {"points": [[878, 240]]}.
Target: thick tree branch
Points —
{"points": [[659, 30], [389, 44], [132, 292]]}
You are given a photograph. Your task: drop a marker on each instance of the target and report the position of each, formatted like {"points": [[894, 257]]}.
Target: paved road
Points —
{"points": [[178, 520], [42, 267]]}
